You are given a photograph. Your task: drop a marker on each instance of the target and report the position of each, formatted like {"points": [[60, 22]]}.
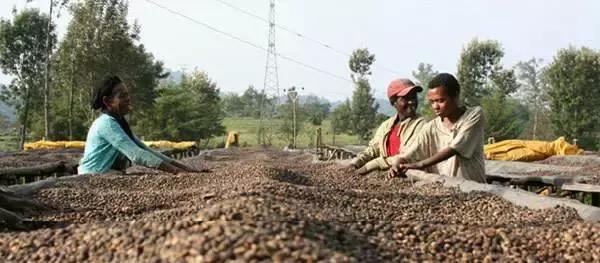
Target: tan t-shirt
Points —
{"points": [[466, 138]]}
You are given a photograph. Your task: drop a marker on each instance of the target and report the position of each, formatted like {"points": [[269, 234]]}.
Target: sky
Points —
{"points": [[401, 34]]}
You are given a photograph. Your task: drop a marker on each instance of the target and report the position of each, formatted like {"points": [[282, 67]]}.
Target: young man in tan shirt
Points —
{"points": [[452, 143]]}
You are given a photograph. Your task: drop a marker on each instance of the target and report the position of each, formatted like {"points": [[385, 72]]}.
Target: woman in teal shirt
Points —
{"points": [[110, 141]]}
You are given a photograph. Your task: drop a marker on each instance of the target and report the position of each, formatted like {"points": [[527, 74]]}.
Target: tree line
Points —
{"points": [[531, 99], [99, 42]]}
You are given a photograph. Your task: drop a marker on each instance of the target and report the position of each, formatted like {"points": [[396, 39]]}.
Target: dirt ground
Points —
{"points": [[264, 205]]}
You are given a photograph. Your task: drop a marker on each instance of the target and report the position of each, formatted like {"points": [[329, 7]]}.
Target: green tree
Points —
{"points": [[23, 55], [316, 109], [505, 116], [479, 61], [360, 63], [190, 110], [254, 101], [533, 92], [573, 79], [248, 104], [232, 105], [286, 111], [251, 103], [100, 42], [485, 82], [364, 108], [364, 111], [341, 117], [423, 75]]}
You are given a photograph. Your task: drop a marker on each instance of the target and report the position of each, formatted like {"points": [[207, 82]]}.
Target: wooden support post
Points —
{"points": [[331, 155], [318, 140], [596, 199]]}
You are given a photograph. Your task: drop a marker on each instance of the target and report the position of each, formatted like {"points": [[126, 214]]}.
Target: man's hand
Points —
{"points": [[399, 168], [396, 171]]}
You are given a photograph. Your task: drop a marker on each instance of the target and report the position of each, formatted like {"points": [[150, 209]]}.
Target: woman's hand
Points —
{"points": [[167, 167], [188, 168]]}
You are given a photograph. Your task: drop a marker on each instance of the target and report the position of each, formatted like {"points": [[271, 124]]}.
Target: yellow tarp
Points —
{"points": [[170, 145], [233, 139], [528, 151], [51, 145]]}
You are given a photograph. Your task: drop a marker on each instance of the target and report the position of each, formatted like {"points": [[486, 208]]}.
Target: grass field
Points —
{"points": [[9, 143], [248, 130]]}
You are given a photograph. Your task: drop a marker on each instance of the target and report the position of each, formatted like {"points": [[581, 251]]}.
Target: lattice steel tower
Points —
{"points": [[271, 81], [271, 84]]}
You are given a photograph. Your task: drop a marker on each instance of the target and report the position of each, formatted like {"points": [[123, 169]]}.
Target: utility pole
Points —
{"points": [[292, 94]]}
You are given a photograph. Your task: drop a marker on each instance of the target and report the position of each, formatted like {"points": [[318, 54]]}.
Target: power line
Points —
{"points": [[285, 57], [298, 34], [295, 61], [284, 28]]}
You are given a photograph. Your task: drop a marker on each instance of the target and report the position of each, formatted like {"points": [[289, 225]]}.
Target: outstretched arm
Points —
{"points": [[168, 160], [114, 134], [401, 166]]}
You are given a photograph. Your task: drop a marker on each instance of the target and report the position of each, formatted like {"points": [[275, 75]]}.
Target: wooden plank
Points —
{"points": [[509, 167], [555, 180], [34, 170], [588, 188]]}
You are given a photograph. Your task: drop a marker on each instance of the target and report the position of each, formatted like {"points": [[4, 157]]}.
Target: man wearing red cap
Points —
{"points": [[396, 132]]}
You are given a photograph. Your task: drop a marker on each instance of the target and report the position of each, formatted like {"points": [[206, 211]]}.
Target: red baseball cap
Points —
{"points": [[401, 87]]}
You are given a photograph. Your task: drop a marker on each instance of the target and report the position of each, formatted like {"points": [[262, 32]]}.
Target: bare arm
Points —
{"points": [[438, 157], [400, 166]]}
